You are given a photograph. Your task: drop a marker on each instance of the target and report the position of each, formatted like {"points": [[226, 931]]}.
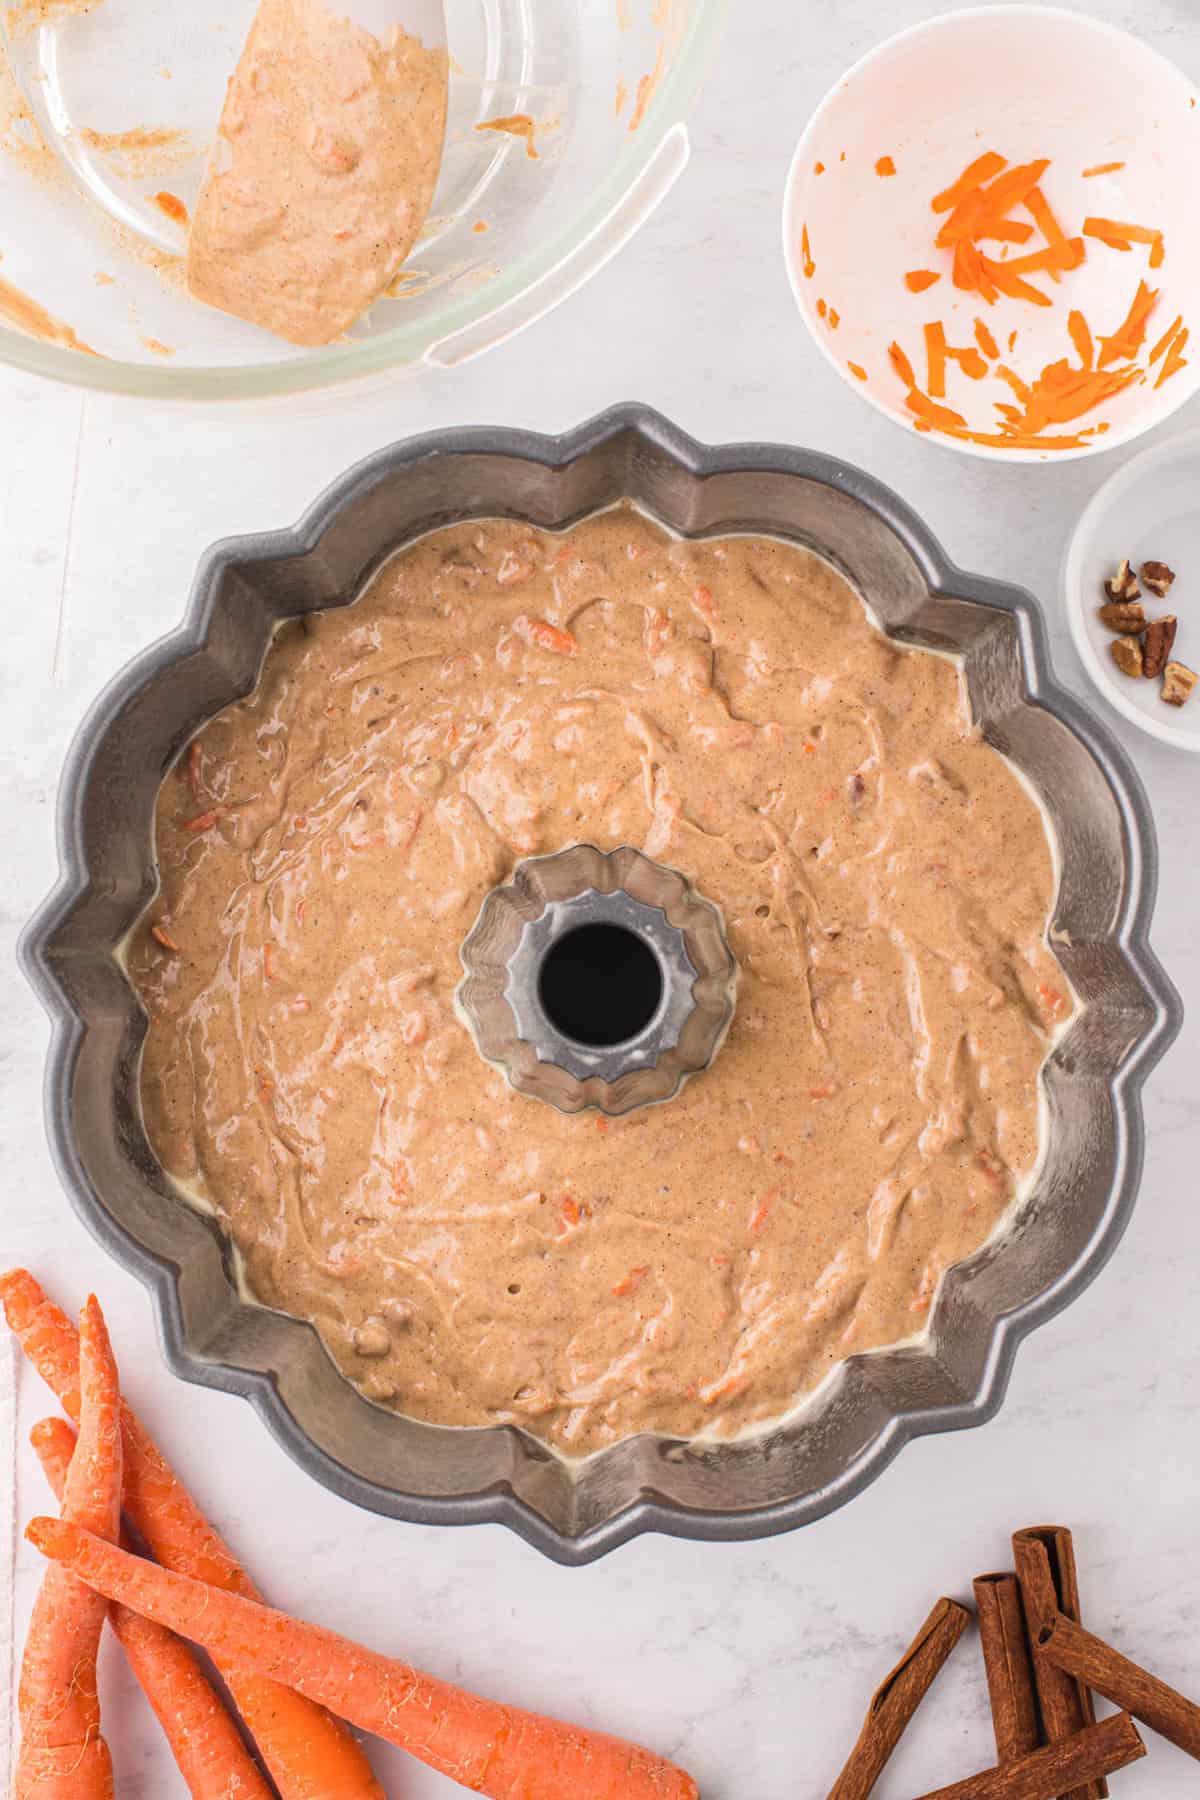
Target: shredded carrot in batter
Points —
{"points": [[917, 280]]}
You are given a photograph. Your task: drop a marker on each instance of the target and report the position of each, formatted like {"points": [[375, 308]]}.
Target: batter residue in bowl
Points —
{"points": [[326, 161], [471, 1256]]}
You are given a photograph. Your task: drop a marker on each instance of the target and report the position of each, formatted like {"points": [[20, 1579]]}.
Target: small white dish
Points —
{"points": [[1026, 81], [1148, 509]]}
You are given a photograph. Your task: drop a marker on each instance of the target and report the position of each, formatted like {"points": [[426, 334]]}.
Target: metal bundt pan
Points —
{"points": [[874, 1403]]}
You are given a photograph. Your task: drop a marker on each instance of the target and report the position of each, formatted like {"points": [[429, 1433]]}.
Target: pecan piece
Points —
{"points": [[1157, 577], [1124, 615], [1178, 682], [1124, 584], [1157, 644], [1127, 654]]}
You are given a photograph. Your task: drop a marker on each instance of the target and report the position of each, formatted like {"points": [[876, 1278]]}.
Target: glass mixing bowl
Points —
{"points": [[107, 112]]}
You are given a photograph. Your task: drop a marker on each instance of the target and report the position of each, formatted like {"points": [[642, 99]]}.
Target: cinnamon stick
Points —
{"points": [[1008, 1664], [897, 1698], [1070, 1763], [1079, 1653], [1045, 1560]]}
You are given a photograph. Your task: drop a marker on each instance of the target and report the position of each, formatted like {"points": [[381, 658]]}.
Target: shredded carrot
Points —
{"points": [[203, 821], [1175, 359], [1013, 187], [821, 309], [810, 267], [972, 177], [917, 280], [1165, 340], [1081, 337], [1102, 169], [1006, 231], [162, 936], [904, 370], [172, 205], [1120, 236], [1130, 335], [539, 634], [969, 361], [985, 340], [835, 318], [885, 166], [1013, 285], [935, 357], [819, 168], [857, 370], [923, 406], [1020, 388], [759, 1217], [629, 1284], [487, 1747], [1067, 255]]}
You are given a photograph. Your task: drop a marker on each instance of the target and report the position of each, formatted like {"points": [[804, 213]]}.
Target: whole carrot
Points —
{"points": [[62, 1755], [492, 1749], [204, 1740], [309, 1755]]}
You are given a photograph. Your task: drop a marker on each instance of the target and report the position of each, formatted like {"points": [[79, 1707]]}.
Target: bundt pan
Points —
{"points": [[874, 1403]]}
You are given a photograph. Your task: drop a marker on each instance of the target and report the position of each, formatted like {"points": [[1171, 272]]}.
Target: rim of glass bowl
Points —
{"points": [[409, 344]]}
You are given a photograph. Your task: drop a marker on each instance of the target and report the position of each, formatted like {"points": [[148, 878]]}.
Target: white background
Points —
{"points": [[750, 1663]]}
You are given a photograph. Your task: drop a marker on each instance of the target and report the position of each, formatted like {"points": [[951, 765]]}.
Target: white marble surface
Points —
{"points": [[752, 1662]]}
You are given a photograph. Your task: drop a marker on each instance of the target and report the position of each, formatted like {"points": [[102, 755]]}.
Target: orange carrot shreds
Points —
{"points": [[1013, 285], [1043, 216], [935, 358], [822, 309], [1102, 169], [1012, 341], [819, 168], [203, 821], [969, 361], [1120, 236], [1020, 388], [487, 1747], [62, 1751], [1061, 394], [810, 267], [885, 166], [172, 206], [1013, 188], [1081, 337], [1164, 341], [929, 413], [1006, 231], [310, 1755], [1067, 255], [857, 370], [917, 280], [539, 634], [629, 1284], [904, 370], [985, 340], [835, 318], [1130, 335], [162, 936], [963, 222], [972, 177], [1174, 360], [970, 275], [204, 1740]]}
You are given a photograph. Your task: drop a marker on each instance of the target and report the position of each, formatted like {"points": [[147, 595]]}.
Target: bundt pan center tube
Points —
{"points": [[841, 1438]]}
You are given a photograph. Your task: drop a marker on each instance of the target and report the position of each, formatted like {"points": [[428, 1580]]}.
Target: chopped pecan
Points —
{"points": [[1157, 644], [1127, 654], [1124, 584], [1157, 577], [1178, 682], [1124, 615]]}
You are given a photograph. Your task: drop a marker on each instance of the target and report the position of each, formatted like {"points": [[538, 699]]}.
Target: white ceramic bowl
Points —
{"points": [[1027, 81], [508, 236], [1148, 509]]}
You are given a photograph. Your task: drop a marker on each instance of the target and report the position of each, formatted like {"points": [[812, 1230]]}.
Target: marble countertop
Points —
{"points": [[752, 1662]]}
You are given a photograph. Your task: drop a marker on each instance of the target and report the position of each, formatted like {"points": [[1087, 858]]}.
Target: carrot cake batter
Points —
{"points": [[472, 1256]]}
